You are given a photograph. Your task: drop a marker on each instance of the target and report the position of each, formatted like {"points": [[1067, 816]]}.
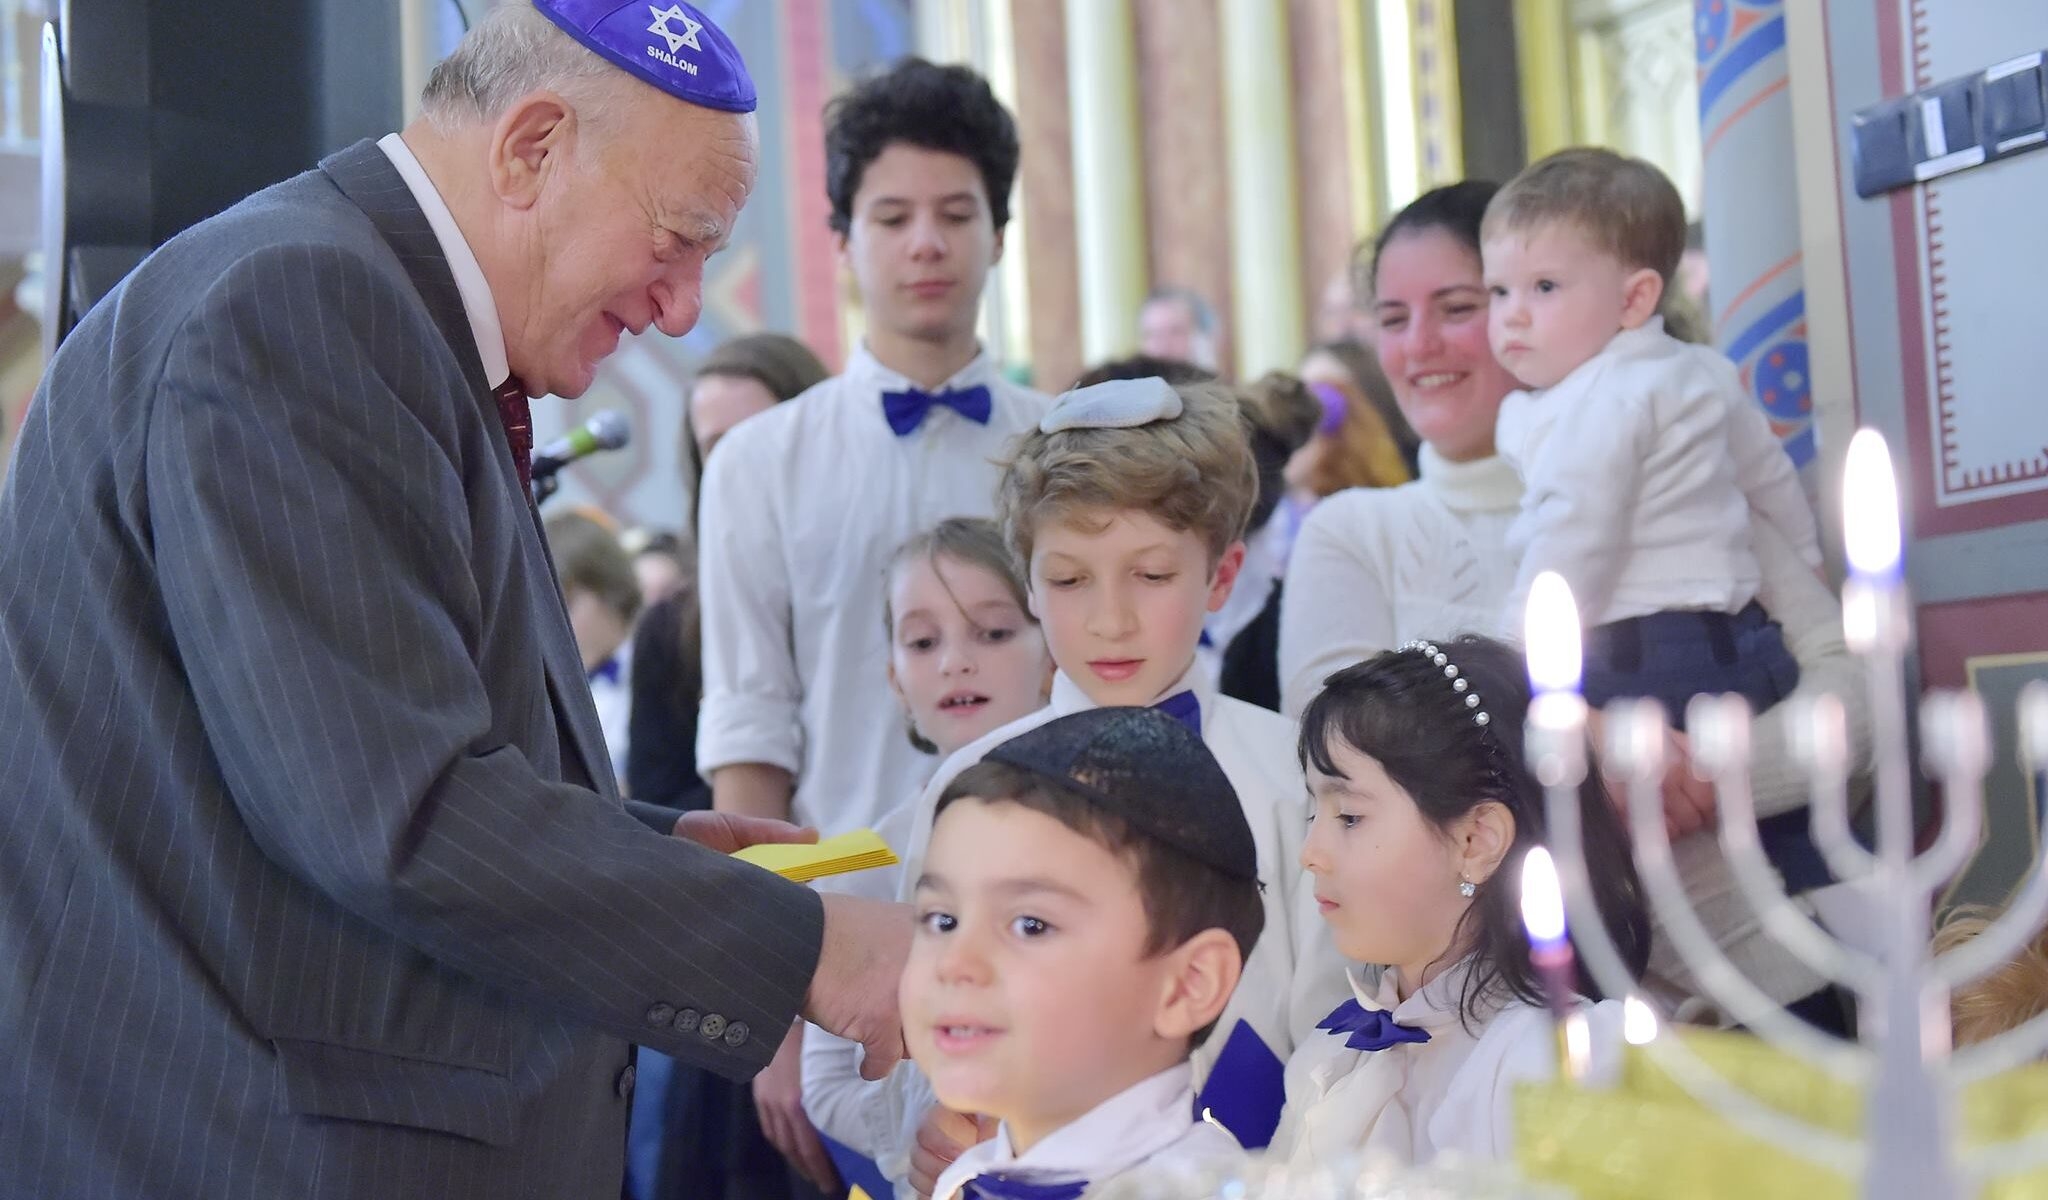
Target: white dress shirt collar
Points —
{"points": [[1113, 1137], [863, 368], [470, 283]]}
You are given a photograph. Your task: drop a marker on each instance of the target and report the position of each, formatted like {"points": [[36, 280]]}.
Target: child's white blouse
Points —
{"points": [[1414, 1101]]}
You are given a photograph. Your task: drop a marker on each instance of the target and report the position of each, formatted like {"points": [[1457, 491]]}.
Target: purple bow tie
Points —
{"points": [[907, 410], [1185, 708], [608, 670], [1002, 1187], [1370, 1028]]}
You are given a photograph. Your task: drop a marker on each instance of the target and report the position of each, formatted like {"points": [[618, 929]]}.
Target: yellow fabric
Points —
{"points": [[1647, 1136], [860, 850]]}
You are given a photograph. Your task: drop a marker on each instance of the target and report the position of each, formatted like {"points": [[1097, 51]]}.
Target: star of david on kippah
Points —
{"points": [[681, 51]]}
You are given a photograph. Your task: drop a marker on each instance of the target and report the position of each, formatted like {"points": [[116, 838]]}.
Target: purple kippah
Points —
{"points": [[671, 45], [1333, 408]]}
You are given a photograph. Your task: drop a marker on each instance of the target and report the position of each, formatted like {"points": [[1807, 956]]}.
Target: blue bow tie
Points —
{"points": [[608, 671], [907, 410], [1370, 1028], [1183, 707], [1002, 1187]]}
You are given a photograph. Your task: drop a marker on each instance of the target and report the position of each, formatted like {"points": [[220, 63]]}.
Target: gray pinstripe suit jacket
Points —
{"points": [[314, 880]]}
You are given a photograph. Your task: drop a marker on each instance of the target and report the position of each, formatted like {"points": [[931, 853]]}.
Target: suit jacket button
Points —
{"points": [[736, 1034], [686, 1020], [713, 1026], [626, 1078], [659, 1015]]}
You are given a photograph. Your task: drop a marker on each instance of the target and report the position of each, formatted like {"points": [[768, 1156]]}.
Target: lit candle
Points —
{"points": [[1638, 1022], [1550, 952], [1870, 507], [1550, 628], [1873, 604], [1556, 736]]}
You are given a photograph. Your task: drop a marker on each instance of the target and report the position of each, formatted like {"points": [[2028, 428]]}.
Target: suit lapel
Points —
{"points": [[365, 175]]}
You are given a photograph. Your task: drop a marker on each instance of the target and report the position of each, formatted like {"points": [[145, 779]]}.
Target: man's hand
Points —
{"points": [[942, 1137], [853, 992], [727, 832], [778, 1098]]}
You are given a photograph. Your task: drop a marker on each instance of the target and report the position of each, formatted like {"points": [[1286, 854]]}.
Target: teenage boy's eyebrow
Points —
{"points": [[906, 201]]}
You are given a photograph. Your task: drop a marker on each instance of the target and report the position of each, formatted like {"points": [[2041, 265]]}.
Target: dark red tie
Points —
{"points": [[518, 417]]}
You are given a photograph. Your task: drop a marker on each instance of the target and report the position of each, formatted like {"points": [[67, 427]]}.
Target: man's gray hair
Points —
{"points": [[512, 51]]}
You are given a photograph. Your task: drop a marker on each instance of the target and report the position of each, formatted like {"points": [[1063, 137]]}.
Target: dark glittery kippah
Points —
{"points": [[1149, 771]]}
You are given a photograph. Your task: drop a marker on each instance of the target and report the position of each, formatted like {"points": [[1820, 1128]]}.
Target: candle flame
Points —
{"points": [[1551, 631], [1870, 506], [1542, 898], [1638, 1022]]}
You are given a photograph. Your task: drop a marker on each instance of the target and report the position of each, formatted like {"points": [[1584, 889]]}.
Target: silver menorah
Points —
{"points": [[1903, 1062]]}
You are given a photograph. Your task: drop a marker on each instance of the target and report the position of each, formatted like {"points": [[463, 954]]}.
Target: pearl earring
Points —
{"points": [[1467, 888]]}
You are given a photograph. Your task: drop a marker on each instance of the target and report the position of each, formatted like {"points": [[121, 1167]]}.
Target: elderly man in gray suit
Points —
{"points": [[314, 879]]}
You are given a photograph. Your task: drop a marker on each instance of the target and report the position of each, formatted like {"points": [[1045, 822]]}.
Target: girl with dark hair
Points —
{"points": [[1424, 807]]}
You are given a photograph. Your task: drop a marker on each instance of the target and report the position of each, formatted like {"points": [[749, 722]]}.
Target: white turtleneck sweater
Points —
{"points": [[1376, 567]]}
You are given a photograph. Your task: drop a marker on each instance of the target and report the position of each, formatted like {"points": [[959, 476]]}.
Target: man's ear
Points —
{"points": [[1228, 568], [1641, 293], [528, 144], [1204, 973]]}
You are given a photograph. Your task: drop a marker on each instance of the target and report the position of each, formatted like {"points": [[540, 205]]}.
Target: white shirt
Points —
{"points": [[803, 507], [1149, 1125], [612, 693], [470, 283], [1642, 471], [1413, 1101], [1376, 567]]}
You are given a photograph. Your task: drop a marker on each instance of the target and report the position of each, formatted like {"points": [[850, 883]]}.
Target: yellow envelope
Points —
{"points": [[860, 850]]}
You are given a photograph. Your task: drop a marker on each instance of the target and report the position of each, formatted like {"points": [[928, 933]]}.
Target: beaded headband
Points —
{"points": [[1459, 684]]}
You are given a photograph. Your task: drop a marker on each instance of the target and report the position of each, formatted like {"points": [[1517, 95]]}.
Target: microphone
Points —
{"points": [[606, 430]]}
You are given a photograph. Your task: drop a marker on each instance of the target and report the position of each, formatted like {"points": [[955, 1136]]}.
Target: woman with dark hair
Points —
{"points": [[1424, 808], [1374, 568], [741, 378]]}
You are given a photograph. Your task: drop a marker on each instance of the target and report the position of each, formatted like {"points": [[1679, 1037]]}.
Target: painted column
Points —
{"points": [[1265, 221], [1187, 181], [1109, 195], [1750, 203]]}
